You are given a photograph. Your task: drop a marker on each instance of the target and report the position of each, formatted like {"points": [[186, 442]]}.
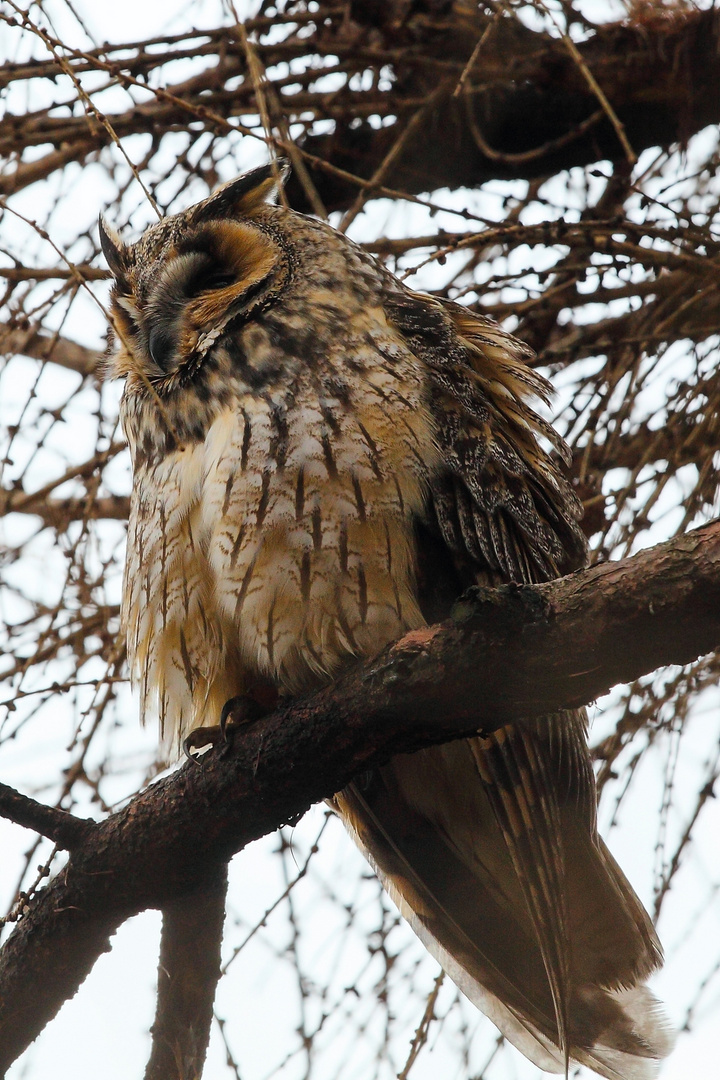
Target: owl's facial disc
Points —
{"points": [[187, 278], [214, 275], [173, 308]]}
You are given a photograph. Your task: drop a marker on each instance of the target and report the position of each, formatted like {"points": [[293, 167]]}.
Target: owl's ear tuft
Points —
{"points": [[114, 250], [246, 194]]}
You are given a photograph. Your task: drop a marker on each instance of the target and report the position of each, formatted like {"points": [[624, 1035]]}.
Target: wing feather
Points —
{"points": [[524, 823]]}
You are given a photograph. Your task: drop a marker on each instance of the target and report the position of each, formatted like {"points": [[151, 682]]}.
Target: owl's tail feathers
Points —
{"points": [[427, 827], [642, 1024]]}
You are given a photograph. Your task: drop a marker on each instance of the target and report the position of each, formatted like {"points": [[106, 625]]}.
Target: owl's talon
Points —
{"points": [[236, 713], [202, 741], [239, 711]]}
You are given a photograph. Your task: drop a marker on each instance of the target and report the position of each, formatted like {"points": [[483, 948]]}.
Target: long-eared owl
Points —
{"points": [[324, 460]]}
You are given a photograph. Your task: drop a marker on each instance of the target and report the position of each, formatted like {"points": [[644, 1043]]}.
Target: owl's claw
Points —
{"points": [[239, 711], [201, 741], [236, 713]]}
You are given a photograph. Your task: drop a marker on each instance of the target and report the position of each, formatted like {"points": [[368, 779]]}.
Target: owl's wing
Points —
{"points": [[490, 846], [502, 503]]}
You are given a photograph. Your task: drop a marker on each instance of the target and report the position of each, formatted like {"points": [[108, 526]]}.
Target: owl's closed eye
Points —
{"points": [[178, 290], [323, 460]]}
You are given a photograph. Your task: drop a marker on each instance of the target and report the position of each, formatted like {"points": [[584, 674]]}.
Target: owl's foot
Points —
{"points": [[201, 741], [242, 710], [236, 713]]}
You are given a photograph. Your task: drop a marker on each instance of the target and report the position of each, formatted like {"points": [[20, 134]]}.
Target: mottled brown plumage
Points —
{"points": [[322, 461]]}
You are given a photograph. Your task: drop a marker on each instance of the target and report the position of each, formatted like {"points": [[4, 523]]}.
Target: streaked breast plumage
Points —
{"points": [[323, 460]]}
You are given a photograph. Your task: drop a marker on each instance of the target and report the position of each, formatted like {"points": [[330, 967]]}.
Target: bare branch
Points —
{"points": [[23, 502], [58, 513], [660, 79], [507, 653], [188, 973], [66, 830], [54, 347], [51, 273]]}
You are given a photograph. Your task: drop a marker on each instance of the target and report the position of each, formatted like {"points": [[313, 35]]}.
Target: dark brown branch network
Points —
{"points": [[526, 111], [506, 653]]}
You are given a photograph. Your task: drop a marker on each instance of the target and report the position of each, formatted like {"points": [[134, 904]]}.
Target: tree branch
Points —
{"points": [[506, 653], [527, 111], [22, 502], [188, 973], [58, 513], [58, 349], [66, 830]]}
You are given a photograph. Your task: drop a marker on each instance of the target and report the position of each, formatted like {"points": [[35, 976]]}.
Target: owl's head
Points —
{"points": [[190, 276]]}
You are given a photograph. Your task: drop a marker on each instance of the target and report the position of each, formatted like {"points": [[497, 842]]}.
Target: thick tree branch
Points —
{"points": [[507, 653], [66, 830], [526, 111], [60, 350], [188, 973]]}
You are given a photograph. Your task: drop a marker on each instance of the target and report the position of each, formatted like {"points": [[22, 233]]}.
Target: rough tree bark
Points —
{"points": [[188, 973], [526, 109], [506, 654]]}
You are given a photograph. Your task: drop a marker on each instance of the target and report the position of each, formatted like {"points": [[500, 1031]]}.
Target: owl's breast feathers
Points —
{"points": [[323, 460], [288, 498], [278, 539]]}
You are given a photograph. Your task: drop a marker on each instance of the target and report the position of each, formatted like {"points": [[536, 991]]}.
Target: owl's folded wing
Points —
{"points": [[490, 846]]}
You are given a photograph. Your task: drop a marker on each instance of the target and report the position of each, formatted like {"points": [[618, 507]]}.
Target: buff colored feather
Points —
{"points": [[322, 461]]}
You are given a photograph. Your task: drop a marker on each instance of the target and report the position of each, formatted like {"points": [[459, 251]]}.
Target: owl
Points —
{"points": [[324, 460]]}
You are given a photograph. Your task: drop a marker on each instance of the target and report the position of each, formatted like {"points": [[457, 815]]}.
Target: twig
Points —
{"points": [[90, 107], [20, 501], [257, 76], [423, 1028], [526, 156], [264, 91], [475, 53], [372, 186]]}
